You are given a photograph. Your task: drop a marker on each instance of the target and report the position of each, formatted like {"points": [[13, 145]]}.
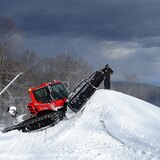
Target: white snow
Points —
{"points": [[113, 126]]}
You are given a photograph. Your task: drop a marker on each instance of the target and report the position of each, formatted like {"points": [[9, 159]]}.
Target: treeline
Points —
{"points": [[36, 69]]}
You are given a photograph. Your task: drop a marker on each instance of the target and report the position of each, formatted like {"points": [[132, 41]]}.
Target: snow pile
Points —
{"points": [[112, 126]]}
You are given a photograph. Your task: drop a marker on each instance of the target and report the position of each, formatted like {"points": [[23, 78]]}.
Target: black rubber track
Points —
{"points": [[36, 123]]}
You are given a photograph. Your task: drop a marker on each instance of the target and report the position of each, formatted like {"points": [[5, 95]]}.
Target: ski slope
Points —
{"points": [[112, 126]]}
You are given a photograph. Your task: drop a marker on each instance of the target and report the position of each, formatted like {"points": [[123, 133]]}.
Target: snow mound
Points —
{"points": [[112, 126]]}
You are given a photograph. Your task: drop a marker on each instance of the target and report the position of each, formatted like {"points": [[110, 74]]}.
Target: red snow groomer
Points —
{"points": [[47, 97], [50, 102]]}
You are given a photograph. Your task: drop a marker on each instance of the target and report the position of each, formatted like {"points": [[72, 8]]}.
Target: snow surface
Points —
{"points": [[112, 126]]}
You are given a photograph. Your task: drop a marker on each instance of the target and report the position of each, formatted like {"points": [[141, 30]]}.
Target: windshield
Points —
{"points": [[59, 91], [42, 95], [54, 91]]}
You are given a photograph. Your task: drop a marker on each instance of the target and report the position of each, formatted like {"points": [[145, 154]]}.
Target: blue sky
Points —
{"points": [[122, 33]]}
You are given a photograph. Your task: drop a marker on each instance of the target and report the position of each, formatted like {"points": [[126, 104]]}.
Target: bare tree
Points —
{"points": [[7, 32], [7, 28], [7, 63], [68, 68]]}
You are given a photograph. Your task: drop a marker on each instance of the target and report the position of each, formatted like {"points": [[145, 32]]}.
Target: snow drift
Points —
{"points": [[111, 126]]}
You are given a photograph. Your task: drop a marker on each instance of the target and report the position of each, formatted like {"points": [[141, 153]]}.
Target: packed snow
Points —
{"points": [[112, 126]]}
